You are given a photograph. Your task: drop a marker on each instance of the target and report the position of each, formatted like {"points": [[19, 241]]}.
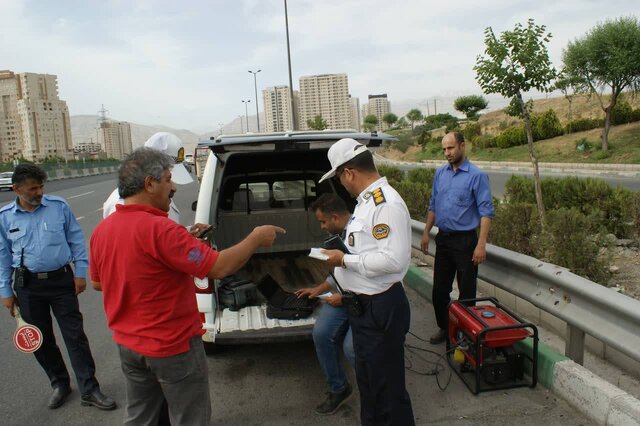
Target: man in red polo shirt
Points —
{"points": [[143, 263]]}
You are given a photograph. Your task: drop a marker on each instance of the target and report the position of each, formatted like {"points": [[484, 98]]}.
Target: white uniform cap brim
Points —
{"points": [[180, 175]]}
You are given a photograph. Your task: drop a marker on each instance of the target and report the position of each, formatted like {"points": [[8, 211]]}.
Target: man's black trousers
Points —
{"points": [[37, 299], [378, 340], [454, 253]]}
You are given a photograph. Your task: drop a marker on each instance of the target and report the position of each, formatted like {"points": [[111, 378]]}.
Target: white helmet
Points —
{"points": [[171, 145]]}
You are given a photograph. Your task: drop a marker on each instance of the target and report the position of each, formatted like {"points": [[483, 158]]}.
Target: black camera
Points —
{"points": [[352, 303], [19, 277]]}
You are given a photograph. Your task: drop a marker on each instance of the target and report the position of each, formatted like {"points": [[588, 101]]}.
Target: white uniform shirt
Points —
{"points": [[109, 207], [378, 237]]}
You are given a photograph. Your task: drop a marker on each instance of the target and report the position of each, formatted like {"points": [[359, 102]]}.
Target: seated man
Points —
{"points": [[331, 332]]}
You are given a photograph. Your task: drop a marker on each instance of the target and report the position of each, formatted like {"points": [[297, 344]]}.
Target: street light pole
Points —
{"points": [[293, 113], [241, 125], [246, 113], [255, 85]]}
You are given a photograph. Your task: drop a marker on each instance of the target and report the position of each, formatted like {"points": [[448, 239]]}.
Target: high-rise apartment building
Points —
{"points": [[379, 106], [34, 122], [355, 113], [115, 137], [326, 95], [277, 109]]}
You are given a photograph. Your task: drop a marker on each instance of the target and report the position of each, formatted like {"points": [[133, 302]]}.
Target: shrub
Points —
{"points": [[392, 173], [568, 241], [546, 125], [403, 143], [472, 131], [621, 113], [583, 145], [633, 213], [514, 227], [422, 175], [513, 136], [635, 115], [416, 196], [583, 124], [601, 155], [485, 141]]}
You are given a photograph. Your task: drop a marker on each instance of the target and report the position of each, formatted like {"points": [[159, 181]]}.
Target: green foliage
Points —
{"points": [[621, 113], [470, 105], [390, 118], [546, 125], [440, 120], [583, 145], [422, 175], [403, 143], [414, 115], [370, 123], [513, 136], [633, 212], [416, 196], [582, 124], [392, 173], [401, 123], [514, 109], [514, 226], [568, 240], [472, 131], [317, 123], [485, 141], [600, 155]]}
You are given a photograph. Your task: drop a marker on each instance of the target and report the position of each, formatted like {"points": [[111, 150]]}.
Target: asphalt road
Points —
{"points": [[278, 384]]}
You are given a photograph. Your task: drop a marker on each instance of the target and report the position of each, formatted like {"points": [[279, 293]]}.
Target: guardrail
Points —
{"points": [[585, 306]]}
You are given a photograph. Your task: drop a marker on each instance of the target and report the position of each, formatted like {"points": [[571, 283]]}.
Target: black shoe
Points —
{"points": [[334, 401], [59, 396], [439, 337], [98, 399]]}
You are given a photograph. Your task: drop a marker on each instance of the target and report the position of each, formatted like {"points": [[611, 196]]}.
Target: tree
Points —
{"points": [[401, 123], [566, 84], [370, 123], [608, 55], [414, 115], [515, 63], [470, 105], [390, 118], [318, 123]]}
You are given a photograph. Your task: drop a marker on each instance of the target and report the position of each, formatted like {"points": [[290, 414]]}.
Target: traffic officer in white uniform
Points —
{"points": [[379, 241], [171, 145]]}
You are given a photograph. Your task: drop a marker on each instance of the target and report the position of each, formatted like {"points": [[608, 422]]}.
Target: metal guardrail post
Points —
{"points": [[574, 346]]}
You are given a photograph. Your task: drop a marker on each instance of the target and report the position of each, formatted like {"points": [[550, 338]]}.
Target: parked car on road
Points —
{"points": [[258, 179], [5, 180]]}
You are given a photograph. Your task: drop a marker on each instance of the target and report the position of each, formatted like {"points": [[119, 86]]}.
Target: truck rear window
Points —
{"points": [[277, 194]]}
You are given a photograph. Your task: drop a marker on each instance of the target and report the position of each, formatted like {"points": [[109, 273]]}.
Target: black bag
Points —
{"points": [[236, 293], [282, 304]]}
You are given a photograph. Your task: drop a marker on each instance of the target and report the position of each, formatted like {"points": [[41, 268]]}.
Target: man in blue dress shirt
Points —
{"points": [[460, 202], [40, 233]]}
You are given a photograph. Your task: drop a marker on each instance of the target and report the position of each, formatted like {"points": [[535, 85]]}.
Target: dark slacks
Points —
{"points": [[37, 300], [454, 253], [378, 339]]}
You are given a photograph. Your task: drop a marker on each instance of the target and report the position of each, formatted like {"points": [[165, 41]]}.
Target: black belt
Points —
{"points": [[49, 275], [451, 233], [371, 296]]}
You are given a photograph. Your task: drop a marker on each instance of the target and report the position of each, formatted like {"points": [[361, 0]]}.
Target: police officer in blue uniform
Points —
{"points": [[40, 233]]}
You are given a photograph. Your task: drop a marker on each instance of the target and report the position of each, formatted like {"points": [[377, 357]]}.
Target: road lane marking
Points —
{"points": [[80, 195], [79, 217]]}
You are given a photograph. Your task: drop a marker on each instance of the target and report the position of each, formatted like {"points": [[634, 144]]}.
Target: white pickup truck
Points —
{"points": [[257, 179]]}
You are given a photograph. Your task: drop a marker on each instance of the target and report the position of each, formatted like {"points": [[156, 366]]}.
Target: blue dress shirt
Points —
{"points": [[459, 199], [50, 235]]}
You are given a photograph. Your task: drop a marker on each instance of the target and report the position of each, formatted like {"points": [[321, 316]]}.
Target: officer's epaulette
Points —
{"points": [[378, 196], [55, 198], [7, 207]]}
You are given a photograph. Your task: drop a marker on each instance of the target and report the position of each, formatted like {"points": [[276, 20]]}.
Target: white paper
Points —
{"points": [[316, 253], [325, 295]]}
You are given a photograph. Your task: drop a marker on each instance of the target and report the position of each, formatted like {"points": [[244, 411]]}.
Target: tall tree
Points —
{"points": [[390, 118], [567, 85], [414, 115], [317, 123], [608, 55], [370, 123], [470, 105], [517, 62]]}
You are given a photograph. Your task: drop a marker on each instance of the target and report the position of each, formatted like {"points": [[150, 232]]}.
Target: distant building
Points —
{"points": [[326, 95], [277, 109], [379, 106], [87, 148], [115, 137], [34, 122], [355, 113]]}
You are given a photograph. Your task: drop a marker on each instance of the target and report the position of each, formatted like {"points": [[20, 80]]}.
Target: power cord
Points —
{"points": [[438, 363]]}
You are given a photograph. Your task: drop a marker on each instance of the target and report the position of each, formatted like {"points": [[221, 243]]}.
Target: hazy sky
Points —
{"points": [[185, 63]]}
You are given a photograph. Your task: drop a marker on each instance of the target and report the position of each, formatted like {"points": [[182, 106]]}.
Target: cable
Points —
{"points": [[438, 366]]}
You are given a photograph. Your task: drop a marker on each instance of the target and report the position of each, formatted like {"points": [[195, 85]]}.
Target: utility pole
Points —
{"points": [[293, 113], [428, 112], [435, 107], [255, 85], [246, 113]]}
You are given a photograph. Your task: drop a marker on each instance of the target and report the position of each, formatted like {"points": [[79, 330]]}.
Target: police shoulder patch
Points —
{"points": [[378, 196], [380, 231]]}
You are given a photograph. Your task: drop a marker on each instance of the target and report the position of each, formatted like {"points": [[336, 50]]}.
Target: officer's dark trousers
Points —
{"points": [[37, 299], [378, 340], [454, 253]]}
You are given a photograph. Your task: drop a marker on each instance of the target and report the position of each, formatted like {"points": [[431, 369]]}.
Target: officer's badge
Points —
{"points": [[351, 240], [378, 196], [380, 231]]}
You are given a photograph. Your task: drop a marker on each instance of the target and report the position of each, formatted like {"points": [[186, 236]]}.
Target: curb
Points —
{"points": [[591, 395]]}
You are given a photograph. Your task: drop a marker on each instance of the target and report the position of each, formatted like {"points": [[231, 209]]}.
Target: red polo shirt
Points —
{"points": [[145, 263]]}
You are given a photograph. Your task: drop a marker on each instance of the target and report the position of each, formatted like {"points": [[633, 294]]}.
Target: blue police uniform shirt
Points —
{"points": [[459, 199], [50, 235]]}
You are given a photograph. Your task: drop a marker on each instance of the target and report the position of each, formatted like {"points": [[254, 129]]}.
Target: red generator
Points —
{"points": [[482, 348]]}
